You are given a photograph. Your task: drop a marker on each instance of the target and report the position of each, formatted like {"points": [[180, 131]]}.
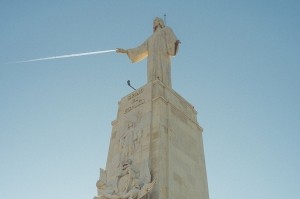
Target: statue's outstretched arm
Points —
{"points": [[120, 50]]}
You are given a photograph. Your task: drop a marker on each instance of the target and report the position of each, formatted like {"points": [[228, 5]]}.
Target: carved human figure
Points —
{"points": [[127, 183], [134, 192], [129, 141], [124, 178], [159, 48]]}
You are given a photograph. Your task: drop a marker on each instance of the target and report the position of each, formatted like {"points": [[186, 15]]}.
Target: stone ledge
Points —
{"points": [[168, 102], [114, 122], [176, 94]]}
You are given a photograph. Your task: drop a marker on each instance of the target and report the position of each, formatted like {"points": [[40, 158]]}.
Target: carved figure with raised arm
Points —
{"points": [[159, 48]]}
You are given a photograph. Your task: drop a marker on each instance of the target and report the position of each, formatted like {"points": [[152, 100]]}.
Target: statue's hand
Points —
{"points": [[120, 50]]}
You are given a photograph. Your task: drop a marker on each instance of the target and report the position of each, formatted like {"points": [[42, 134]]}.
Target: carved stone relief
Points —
{"points": [[128, 183], [130, 139]]}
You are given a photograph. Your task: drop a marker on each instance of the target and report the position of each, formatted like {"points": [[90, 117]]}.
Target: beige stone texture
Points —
{"points": [[155, 124]]}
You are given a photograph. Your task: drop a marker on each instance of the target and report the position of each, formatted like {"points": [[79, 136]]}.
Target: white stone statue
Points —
{"points": [[159, 48]]}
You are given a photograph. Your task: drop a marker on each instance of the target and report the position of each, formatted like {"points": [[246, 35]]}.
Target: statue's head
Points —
{"points": [[158, 22]]}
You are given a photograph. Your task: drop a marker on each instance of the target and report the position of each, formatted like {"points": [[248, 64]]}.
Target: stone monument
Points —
{"points": [[156, 147]]}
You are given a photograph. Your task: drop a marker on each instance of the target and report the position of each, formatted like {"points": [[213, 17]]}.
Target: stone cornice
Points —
{"points": [[176, 94], [169, 102]]}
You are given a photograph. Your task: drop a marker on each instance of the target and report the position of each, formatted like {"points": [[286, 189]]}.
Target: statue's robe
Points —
{"points": [[127, 142], [159, 48]]}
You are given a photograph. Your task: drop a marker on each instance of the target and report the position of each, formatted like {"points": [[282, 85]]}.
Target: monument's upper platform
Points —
{"points": [[157, 90]]}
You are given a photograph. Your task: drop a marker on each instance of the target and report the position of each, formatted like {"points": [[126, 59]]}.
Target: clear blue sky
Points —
{"points": [[238, 64]]}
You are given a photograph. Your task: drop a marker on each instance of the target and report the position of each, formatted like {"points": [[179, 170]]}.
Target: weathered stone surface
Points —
{"points": [[156, 127]]}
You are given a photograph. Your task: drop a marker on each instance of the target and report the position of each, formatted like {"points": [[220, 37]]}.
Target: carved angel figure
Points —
{"points": [[101, 183], [105, 191]]}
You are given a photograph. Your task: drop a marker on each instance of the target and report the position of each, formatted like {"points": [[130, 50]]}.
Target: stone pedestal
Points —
{"points": [[157, 129]]}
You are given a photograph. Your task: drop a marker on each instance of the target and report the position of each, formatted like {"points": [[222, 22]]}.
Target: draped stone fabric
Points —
{"points": [[129, 143], [159, 48]]}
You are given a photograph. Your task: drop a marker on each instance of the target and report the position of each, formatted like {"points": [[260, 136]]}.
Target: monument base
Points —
{"points": [[155, 136]]}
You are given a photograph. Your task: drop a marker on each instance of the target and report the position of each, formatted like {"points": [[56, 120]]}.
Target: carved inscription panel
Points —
{"points": [[135, 100]]}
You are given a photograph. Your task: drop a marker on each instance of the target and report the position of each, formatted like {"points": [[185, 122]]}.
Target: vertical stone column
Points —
{"points": [[180, 159]]}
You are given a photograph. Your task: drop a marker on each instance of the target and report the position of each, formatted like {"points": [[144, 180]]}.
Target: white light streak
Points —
{"points": [[62, 56]]}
